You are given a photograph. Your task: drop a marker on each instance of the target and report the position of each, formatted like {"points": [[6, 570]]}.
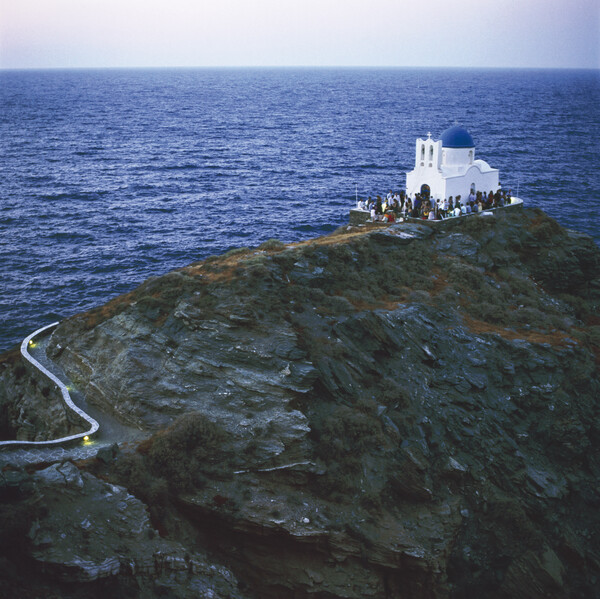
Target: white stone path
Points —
{"points": [[77, 446]]}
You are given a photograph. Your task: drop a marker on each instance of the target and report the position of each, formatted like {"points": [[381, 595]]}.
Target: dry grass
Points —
{"points": [[334, 239], [440, 281], [115, 306], [224, 274], [554, 338], [223, 268]]}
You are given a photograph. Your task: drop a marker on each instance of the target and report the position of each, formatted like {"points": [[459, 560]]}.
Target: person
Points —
{"points": [[472, 197], [417, 206], [378, 206], [457, 210], [361, 204], [468, 209], [389, 197], [479, 205], [408, 208], [444, 207], [432, 214]]}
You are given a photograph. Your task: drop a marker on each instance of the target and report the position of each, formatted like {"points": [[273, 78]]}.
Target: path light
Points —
{"points": [[28, 342]]}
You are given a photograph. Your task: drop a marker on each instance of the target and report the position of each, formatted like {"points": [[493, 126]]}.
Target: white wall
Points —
{"points": [[458, 156], [486, 181]]}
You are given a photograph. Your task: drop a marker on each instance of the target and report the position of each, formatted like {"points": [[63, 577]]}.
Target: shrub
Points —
{"points": [[419, 297], [477, 225], [543, 230], [520, 284], [189, 447], [177, 459], [393, 393], [236, 252], [255, 260], [448, 297], [487, 312], [348, 431], [272, 245], [464, 276], [580, 307], [285, 259], [341, 479], [532, 317]]}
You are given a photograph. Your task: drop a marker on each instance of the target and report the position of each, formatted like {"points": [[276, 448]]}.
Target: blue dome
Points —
{"points": [[457, 137]]}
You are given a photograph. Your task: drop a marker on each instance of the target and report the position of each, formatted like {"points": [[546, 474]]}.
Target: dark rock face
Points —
{"points": [[90, 531], [31, 407], [386, 412]]}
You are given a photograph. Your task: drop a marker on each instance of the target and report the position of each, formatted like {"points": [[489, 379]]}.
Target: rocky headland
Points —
{"points": [[396, 411]]}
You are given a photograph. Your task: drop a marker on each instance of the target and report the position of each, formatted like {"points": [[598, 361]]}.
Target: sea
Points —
{"points": [[108, 177]]}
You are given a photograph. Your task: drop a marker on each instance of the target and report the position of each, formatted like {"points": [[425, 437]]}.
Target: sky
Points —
{"points": [[402, 33]]}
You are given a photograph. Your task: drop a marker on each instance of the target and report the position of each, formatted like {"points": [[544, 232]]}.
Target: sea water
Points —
{"points": [[110, 176]]}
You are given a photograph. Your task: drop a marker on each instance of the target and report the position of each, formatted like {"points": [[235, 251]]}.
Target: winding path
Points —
{"points": [[94, 426], [78, 446]]}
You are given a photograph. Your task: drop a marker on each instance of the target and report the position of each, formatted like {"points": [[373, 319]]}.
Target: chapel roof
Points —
{"points": [[457, 137]]}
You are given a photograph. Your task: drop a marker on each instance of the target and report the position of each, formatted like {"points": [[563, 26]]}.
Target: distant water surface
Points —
{"points": [[110, 176]]}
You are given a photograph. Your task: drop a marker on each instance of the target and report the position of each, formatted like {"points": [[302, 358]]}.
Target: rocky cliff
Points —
{"points": [[31, 408], [387, 412]]}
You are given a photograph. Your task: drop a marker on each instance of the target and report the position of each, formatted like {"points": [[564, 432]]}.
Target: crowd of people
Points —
{"points": [[396, 205]]}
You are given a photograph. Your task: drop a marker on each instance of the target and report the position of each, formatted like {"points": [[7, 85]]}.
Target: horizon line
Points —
{"points": [[298, 66]]}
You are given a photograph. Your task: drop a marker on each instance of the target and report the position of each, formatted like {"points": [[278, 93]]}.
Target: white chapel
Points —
{"points": [[447, 167]]}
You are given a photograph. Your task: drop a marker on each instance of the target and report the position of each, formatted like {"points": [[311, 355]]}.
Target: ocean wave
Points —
{"points": [[179, 167]]}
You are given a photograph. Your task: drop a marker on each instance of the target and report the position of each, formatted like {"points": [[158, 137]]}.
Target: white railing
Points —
{"points": [[65, 395]]}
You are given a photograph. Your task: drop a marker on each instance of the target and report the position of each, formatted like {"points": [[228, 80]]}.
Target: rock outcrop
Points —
{"points": [[390, 411], [31, 406], [93, 531]]}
